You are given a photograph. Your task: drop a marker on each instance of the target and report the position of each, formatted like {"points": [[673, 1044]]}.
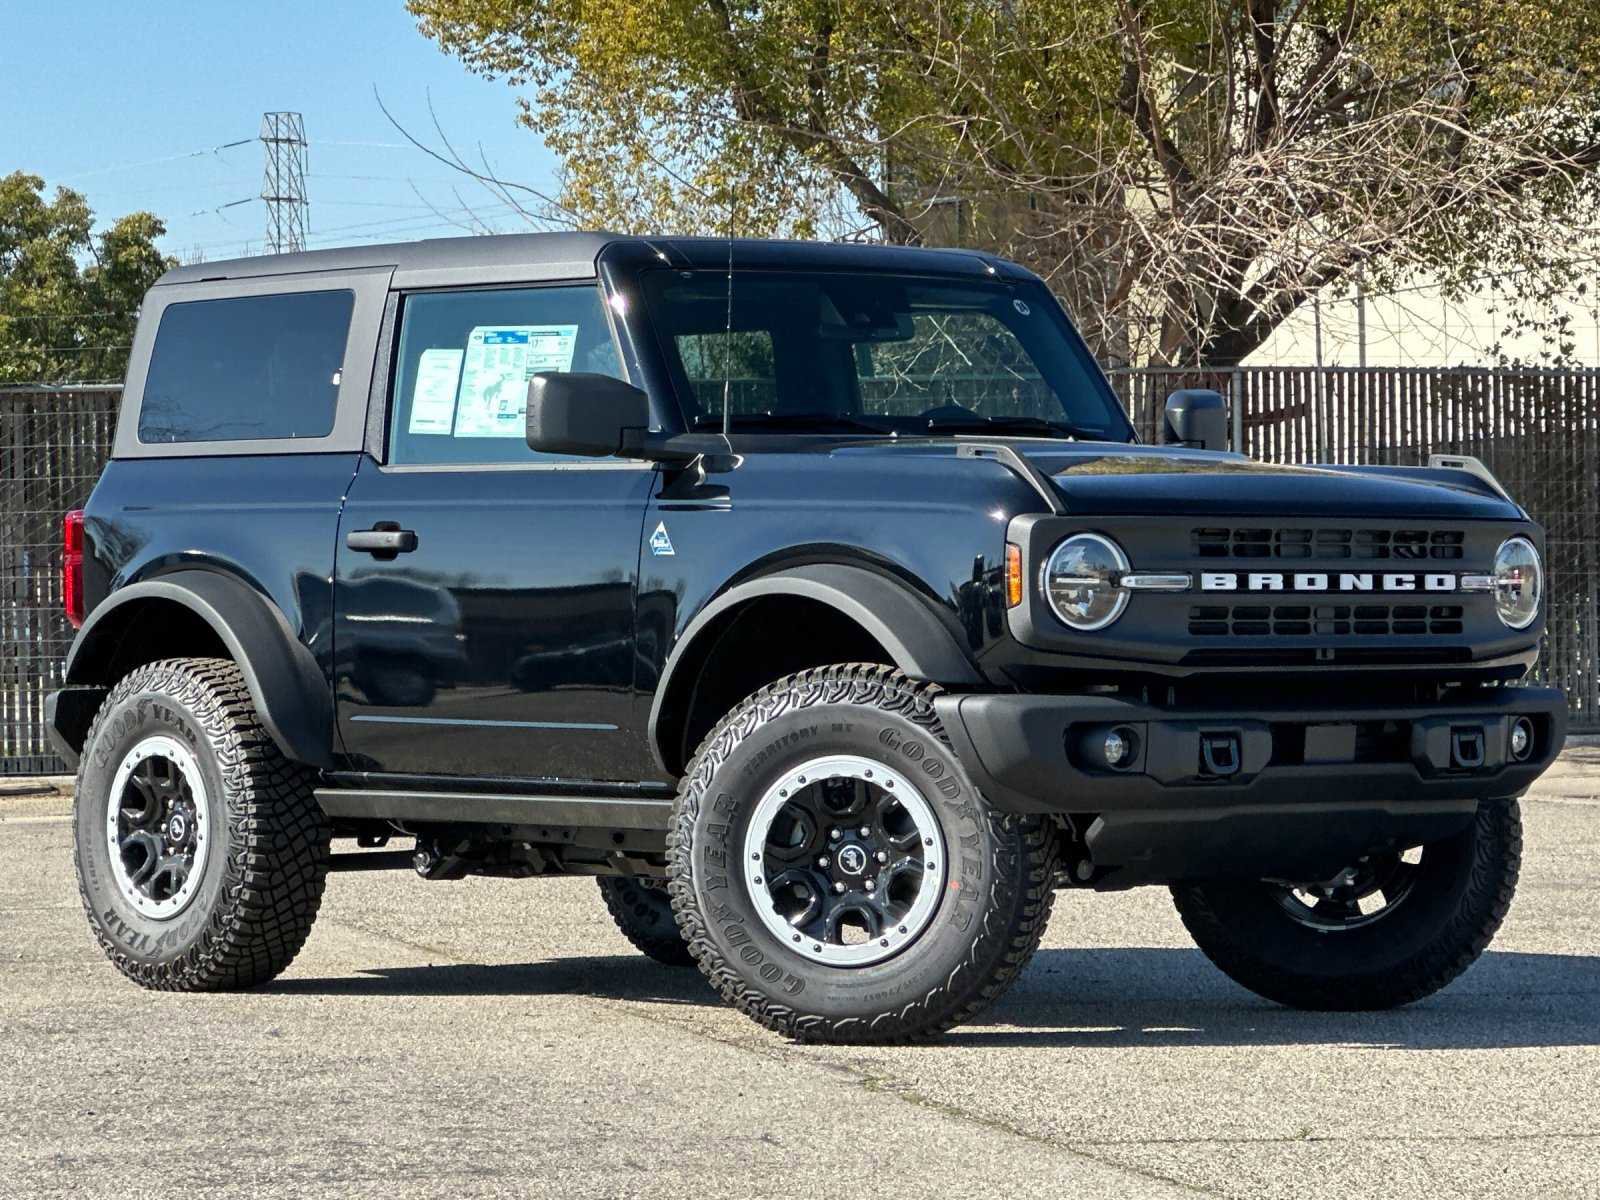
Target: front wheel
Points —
{"points": [[837, 876], [1389, 929]]}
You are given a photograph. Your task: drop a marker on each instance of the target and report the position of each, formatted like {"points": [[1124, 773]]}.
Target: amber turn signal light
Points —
{"points": [[1013, 575]]}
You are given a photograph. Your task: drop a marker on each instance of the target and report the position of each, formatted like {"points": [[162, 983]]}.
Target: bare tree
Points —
{"points": [[1184, 173]]}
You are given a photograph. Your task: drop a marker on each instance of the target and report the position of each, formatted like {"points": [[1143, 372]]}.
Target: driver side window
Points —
{"points": [[464, 361]]}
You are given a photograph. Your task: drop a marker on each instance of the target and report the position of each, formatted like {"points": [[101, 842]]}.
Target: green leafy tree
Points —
{"points": [[69, 298], [1185, 173]]}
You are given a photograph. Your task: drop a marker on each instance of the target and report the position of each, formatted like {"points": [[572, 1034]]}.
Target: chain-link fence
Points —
{"points": [[1539, 431]]}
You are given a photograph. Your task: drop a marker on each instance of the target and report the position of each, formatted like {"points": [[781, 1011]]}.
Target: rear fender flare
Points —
{"points": [[291, 694]]}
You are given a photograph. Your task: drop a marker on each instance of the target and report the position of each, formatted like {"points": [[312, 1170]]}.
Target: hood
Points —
{"points": [[1109, 479]]}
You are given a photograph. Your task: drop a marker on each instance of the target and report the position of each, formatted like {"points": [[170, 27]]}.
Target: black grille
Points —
{"points": [[1324, 620], [1354, 544]]}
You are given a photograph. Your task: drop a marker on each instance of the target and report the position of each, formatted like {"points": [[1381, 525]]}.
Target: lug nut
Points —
{"points": [[869, 885], [822, 861], [883, 856], [834, 835], [838, 887], [866, 831]]}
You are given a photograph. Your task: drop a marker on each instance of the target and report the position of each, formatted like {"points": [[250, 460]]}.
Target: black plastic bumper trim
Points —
{"points": [[1025, 752]]}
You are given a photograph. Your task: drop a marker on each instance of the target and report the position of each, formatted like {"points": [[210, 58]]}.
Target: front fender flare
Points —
{"points": [[291, 694], [903, 623]]}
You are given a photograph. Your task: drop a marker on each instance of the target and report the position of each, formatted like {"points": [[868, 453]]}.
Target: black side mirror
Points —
{"points": [[1196, 417], [573, 412]]}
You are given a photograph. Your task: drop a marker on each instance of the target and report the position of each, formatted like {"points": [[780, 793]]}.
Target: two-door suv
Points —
{"points": [[819, 599]]}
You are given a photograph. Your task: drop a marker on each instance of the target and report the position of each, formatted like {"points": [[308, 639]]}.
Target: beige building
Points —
{"points": [[1417, 327]]}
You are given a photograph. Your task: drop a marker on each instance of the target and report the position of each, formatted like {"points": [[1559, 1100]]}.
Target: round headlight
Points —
{"points": [[1080, 581], [1518, 582]]}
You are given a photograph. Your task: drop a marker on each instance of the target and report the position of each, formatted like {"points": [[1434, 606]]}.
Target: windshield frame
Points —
{"points": [[666, 371]]}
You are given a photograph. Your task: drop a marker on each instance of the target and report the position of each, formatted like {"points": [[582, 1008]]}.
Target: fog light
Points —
{"points": [[1119, 748], [1521, 738]]}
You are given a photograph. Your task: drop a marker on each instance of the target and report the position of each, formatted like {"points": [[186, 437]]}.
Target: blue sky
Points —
{"points": [[92, 92]]}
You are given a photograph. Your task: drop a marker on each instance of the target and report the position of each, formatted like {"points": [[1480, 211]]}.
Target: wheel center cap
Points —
{"points": [[852, 860]]}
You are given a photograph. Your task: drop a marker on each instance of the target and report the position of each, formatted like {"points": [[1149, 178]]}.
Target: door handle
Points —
{"points": [[384, 540]]}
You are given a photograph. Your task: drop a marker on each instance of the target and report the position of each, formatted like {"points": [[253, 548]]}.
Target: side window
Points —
{"points": [[461, 383], [246, 368]]}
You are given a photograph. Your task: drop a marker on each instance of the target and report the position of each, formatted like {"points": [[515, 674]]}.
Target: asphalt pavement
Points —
{"points": [[499, 1038]]}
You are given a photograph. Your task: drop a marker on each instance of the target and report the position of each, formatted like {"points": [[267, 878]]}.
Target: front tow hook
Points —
{"points": [[1219, 755]]}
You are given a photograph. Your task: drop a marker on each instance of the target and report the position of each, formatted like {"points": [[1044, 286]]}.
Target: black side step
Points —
{"points": [[580, 812]]}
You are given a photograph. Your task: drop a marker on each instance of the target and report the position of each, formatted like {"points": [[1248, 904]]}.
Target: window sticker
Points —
{"points": [[500, 359], [433, 399]]}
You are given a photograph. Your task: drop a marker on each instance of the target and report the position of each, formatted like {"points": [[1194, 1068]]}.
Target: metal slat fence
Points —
{"points": [[1539, 431], [53, 442]]}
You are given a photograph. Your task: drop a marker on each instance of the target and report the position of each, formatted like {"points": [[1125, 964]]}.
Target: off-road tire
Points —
{"points": [[266, 864], [987, 924], [1435, 935], [643, 912]]}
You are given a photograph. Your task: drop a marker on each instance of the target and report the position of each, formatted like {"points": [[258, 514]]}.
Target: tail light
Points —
{"points": [[72, 566]]}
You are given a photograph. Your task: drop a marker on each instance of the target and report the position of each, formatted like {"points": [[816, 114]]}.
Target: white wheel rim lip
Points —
{"points": [[929, 893], [176, 752]]}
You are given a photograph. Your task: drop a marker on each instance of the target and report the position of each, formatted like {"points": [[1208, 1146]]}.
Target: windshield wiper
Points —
{"points": [[791, 422], [982, 424]]}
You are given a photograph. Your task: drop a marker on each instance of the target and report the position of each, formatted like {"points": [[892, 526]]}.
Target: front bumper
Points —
{"points": [[1294, 793]]}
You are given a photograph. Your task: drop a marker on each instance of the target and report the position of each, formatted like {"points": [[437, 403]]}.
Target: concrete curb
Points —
{"points": [[36, 785]]}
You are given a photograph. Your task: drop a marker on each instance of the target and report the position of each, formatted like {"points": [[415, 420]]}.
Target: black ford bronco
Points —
{"points": [[818, 599]]}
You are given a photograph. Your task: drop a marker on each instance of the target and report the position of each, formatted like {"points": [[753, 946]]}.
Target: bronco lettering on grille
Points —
{"points": [[1329, 581]]}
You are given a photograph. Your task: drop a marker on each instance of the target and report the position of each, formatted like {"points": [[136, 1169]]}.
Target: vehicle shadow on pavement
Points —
{"points": [[1141, 996], [607, 977], [1106, 998]]}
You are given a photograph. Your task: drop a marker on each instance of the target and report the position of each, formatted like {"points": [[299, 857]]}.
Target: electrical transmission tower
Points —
{"points": [[283, 183]]}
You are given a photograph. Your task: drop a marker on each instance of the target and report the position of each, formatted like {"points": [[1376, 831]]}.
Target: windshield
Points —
{"points": [[867, 352]]}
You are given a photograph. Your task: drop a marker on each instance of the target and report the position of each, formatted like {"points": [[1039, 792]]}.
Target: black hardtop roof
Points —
{"points": [[548, 254]]}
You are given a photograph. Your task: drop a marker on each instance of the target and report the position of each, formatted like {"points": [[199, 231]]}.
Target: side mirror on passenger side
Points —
{"points": [[574, 412], [1197, 417]]}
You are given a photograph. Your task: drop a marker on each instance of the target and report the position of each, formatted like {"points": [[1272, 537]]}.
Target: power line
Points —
{"points": [[151, 162], [387, 225], [368, 145]]}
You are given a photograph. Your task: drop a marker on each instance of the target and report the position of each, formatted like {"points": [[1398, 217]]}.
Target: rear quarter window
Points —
{"points": [[246, 368]]}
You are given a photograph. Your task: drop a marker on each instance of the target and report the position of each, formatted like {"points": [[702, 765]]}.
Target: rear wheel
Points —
{"points": [[835, 873], [643, 912], [201, 852], [1387, 930]]}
